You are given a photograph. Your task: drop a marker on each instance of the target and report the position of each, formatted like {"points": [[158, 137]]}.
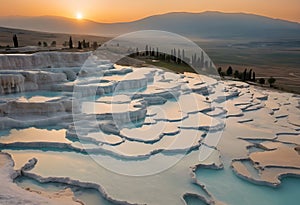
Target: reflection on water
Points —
{"points": [[33, 134]]}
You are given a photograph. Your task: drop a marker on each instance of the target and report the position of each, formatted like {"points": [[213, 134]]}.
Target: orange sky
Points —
{"points": [[128, 10]]}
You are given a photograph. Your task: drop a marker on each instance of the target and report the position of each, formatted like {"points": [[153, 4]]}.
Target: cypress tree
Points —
{"points": [[70, 42], [195, 59], [192, 59], [202, 60], [244, 75], [198, 63], [205, 64], [174, 55], [179, 57], [79, 45], [15, 40], [146, 50], [250, 75]]}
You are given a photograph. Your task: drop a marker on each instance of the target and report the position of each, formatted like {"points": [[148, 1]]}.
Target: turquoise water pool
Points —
{"points": [[229, 188]]}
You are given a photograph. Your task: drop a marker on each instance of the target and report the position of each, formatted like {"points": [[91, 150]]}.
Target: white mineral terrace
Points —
{"points": [[95, 126]]}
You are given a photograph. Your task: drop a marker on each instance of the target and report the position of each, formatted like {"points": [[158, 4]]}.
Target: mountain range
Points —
{"points": [[213, 25]]}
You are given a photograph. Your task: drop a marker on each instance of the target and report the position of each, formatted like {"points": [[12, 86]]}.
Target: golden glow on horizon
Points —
{"points": [[129, 10]]}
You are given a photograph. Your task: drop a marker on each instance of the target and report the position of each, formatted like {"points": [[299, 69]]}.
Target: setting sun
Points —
{"points": [[79, 15]]}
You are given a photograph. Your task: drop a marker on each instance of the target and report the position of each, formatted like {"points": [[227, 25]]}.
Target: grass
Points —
{"points": [[284, 81], [178, 68]]}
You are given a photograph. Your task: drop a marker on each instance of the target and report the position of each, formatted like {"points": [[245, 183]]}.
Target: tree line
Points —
{"points": [[80, 44], [245, 76], [177, 56]]}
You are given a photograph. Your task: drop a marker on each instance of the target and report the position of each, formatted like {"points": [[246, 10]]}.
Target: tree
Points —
{"points": [[167, 58], [229, 71], [175, 56], [39, 43], [202, 60], [262, 81], [85, 44], [16, 42], [95, 45], [45, 44], [205, 64], [153, 52], [146, 49], [271, 81], [253, 78], [244, 76], [179, 57], [194, 59], [219, 70], [79, 45], [236, 74], [198, 62], [53, 44], [70, 42], [249, 75]]}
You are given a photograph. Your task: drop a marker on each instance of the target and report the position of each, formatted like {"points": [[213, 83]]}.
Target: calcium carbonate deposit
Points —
{"points": [[110, 134]]}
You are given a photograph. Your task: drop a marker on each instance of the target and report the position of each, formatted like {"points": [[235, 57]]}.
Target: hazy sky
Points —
{"points": [[128, 10]]}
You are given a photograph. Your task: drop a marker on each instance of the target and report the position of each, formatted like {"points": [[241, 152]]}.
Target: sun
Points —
{"points": [[79, 15]]}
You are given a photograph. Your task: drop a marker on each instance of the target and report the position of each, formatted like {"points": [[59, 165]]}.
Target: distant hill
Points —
{"points": [[199, 25]]}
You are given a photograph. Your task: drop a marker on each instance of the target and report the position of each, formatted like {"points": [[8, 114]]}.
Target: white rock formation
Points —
{"points": [[42, 60], [11, 83], [11, 194]]}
